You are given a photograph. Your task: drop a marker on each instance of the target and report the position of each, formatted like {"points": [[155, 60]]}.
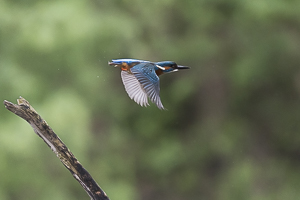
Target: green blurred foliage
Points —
{"points": [[232, 126]]}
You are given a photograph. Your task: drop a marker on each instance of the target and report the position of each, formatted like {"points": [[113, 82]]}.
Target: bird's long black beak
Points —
{"points": [[179, 67]]}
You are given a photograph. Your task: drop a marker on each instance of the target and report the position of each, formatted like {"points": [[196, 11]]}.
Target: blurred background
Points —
{"points": [[232, 124]]}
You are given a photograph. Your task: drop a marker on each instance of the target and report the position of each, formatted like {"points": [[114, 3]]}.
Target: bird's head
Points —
{"points": [[168, 66]]}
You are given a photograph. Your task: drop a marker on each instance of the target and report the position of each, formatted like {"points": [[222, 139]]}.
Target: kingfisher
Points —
{"points": [[141, 78]]}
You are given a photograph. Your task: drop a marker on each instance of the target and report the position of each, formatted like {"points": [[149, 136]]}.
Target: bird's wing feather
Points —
{"points": [[134, 88], [145, 74]]}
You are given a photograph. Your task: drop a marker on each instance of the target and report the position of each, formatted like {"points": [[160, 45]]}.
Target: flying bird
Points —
{"points": [[141, 78]]}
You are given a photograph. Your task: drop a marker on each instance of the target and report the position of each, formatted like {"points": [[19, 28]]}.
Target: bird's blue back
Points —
{"points": [[128, 61], [146, 69]]}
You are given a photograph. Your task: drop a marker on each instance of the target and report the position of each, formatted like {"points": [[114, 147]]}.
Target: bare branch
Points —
{"points": [[42, 129]]}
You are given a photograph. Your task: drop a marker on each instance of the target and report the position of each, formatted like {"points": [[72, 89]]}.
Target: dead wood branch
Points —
{"points": [[42, 129]]}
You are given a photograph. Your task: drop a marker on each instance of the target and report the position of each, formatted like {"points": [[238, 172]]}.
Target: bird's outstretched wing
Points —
{"points": [[149, 81], [134, 88]]}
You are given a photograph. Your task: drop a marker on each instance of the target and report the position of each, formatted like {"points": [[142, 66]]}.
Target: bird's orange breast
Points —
{"points": [[159, 72]]}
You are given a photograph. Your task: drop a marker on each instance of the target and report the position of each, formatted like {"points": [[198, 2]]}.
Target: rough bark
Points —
{"points": [[24, 110]]}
